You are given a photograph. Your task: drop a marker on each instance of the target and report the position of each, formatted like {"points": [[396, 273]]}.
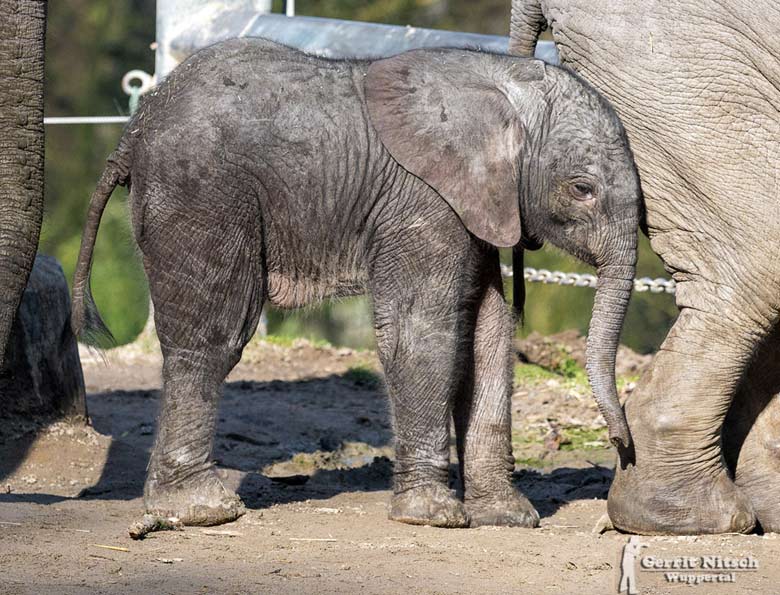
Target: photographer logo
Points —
{"points": [[688, 570]]}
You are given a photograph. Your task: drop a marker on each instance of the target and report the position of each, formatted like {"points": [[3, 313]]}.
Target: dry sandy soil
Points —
{"points": [[304, 437]]}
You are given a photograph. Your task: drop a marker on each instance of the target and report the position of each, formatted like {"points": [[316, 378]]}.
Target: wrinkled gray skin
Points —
{"points": [[260, 173], [22, 35], [697, 85]]}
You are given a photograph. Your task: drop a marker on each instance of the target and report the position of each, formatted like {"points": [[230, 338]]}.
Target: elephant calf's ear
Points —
{"points": [[445, 120]]}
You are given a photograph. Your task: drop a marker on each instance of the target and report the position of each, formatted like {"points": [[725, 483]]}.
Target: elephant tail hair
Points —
{"points": [[85, 319]]}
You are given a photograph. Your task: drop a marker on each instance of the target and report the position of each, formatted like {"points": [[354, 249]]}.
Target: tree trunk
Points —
{"points": [[22, 35]]}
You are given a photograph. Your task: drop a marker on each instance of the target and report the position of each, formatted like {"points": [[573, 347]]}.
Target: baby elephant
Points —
{"points": [[259, 173]]}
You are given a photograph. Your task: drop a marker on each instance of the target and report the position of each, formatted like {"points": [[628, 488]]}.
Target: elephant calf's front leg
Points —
{"points": [[417, 341], [483, 418]]}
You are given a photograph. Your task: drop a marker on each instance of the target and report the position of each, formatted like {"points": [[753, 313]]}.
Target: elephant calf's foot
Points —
{"points": [[652, 504], [200, 500], [758, 476], [765, 503], [511, 509], [433, 505]]}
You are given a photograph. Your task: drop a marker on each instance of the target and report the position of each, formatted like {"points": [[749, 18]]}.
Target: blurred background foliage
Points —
{"points": [[91, 44]]}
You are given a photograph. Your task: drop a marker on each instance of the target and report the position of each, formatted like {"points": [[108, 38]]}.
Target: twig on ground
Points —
{"points": [[113, 548], [150, 523], [222, 533], [312, 539]]}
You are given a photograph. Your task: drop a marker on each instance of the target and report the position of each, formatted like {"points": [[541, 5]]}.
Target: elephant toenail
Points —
{"points": [[742, 522]]}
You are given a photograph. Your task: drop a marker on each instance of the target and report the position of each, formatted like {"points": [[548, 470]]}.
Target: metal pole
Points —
{"points": [[85, 120], [290, 8], [334, 38]]}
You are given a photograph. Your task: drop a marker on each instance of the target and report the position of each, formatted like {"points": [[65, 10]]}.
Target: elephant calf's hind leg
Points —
{"points": [[182, 481], [208, 293]]}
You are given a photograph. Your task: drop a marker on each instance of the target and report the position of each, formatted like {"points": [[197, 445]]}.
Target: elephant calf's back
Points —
{"points": [[248, 129]]}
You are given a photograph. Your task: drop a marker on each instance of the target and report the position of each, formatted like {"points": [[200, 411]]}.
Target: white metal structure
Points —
{"points": [[184, 26], [177, 16]]}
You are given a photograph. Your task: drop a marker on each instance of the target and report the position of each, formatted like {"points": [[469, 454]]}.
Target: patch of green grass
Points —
{"points": [[532, 374], [526, 438], [571, 370], [570, 375], [364, 376], [287, 341], [278, 340], [533, 462], [584, 438]]}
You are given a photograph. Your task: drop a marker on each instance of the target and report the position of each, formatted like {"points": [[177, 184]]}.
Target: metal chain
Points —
{"points": [[587, 280]]}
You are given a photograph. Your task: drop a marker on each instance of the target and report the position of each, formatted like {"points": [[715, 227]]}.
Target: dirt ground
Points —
{"points": [[304, 437]]}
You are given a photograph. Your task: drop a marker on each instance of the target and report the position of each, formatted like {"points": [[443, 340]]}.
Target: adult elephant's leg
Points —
{"points": [[751, 434], [22, 33], [673, 479], [207, 285], [421, 319], [482, 414]]}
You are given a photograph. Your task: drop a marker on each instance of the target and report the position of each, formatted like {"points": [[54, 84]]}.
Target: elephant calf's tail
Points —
{"points": [[86, 322]]}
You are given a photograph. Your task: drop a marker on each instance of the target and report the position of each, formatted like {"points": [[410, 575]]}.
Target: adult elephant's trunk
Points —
{"points": [[22, 33], [609, 310]]}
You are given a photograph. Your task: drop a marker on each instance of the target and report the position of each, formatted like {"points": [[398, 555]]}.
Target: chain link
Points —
{"points": [[642, 284]]}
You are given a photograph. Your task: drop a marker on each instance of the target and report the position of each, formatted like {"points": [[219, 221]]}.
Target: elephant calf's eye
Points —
{"points": [[581, 191]]}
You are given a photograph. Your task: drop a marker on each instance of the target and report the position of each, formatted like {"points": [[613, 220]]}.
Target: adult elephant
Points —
{"points": [[697, 85], [22, 33]]}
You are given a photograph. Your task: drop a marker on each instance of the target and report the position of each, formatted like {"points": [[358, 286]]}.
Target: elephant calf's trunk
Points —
{"points": [[609, 310]]}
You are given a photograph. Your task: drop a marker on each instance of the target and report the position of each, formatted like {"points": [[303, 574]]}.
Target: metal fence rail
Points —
{"points": [[49, 120]]}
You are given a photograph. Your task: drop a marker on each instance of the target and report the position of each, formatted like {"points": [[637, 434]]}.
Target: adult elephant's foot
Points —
{"points": [[673, 479], [508, 509], [201, 500], [432, 504], [650, 502]]}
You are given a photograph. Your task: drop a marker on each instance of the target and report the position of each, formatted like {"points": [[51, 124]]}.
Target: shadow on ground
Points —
{"points": [[284, 441]]}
